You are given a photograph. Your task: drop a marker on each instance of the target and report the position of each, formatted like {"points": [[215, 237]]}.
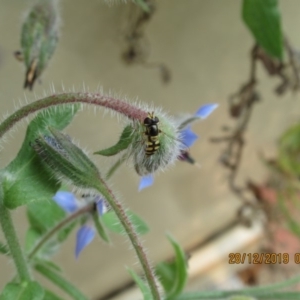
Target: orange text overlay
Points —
{"points": [[263, 258]]}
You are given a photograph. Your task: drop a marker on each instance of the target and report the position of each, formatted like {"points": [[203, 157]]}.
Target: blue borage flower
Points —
{"points": [[86, 233], [187, 137]]}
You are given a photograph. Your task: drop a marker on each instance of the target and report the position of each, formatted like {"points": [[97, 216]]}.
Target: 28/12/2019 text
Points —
{"points": [[262, 258]]}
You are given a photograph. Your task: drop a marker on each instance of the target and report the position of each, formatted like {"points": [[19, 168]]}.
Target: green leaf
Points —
{"points": [[49, 264], [44, 215], [280, 296], [289, 147], [292, 224], [249, 293], [111, 221], [141, 284], [123, 143], [23, 291], [240, 297], [143, 5], [26, 178], [31, 239], [166, 273], [50, 296], [3, 248], [174, 275], [264, 21], [59, 281], [99, 226]]}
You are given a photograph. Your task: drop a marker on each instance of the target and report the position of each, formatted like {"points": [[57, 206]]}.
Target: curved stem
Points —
{"points": [[59, 226], [15, 249], [133, 236], [117, 105]]}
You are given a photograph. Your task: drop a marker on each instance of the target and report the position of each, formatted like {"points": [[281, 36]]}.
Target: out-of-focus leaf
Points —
{"points": [[292, 224], [44, 215], [3, 248], [111, 221], [143, 5], [289, 149], [59, 281], [51, 296], [26, 179], [23, 291], [264, 21], [39, 38], [31, 239], [141, 284], [166, 273], [99, 226], [49, 264], [173, 275]]}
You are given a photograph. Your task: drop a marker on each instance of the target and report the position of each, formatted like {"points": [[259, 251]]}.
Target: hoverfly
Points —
{"points": [[152, 132]]}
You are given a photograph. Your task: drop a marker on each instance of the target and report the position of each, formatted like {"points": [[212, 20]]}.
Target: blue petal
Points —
{"points": [[205, 110], [101, 207], [188, 137], [146, 181], [66, 201], [84, 236]]}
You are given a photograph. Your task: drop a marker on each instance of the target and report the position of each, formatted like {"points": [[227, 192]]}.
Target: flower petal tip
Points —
{"points": [[205, 110], [101, 206], [66, 201], [188, 137], [145, 182], [84, 236]]}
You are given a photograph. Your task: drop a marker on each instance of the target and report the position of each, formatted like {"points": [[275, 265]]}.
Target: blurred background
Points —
{"points": [[206, 48]]}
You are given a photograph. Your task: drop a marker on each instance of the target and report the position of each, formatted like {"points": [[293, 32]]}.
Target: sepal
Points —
{"points": [[123, 143]]}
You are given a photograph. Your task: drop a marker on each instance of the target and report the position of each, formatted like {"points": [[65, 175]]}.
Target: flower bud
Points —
{"points": [[156, 144], [39, 38], [66, 160]]}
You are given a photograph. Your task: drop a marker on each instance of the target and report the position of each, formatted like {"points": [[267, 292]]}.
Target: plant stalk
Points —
{"points": [[15, 249], [58, 227], [130, 111], [133, 236]]}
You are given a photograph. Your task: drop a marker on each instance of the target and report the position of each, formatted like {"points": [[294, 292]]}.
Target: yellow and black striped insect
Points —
{"points": [[152, 132]]}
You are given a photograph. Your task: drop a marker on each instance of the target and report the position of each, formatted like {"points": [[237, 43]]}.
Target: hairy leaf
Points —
{"points": [[26, 178]]}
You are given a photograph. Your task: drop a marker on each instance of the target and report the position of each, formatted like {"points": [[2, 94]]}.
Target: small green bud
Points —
{"points": [[66, 160], [39, 39]]}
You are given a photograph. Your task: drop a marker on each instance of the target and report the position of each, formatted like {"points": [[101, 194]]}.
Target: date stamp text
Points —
{"points": [[263, 258]]}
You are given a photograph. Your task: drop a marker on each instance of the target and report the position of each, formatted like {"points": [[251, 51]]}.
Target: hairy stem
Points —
{"points": [[10, 234], [59, 226], [133, 236], [117, 105]]}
